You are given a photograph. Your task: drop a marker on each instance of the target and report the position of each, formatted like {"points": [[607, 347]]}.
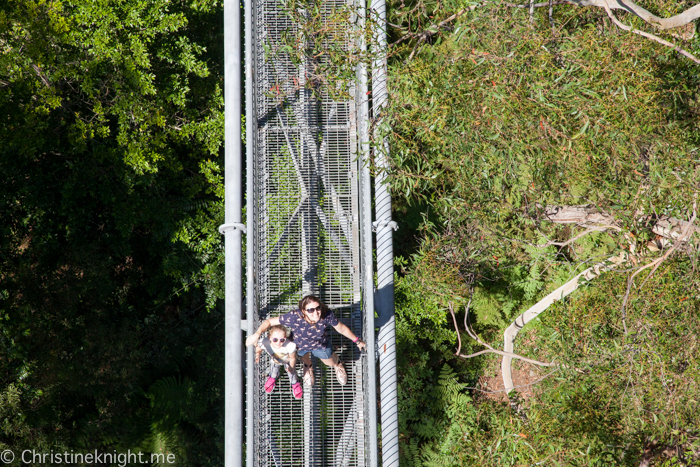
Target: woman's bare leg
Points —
{"points": [[308, 372], [340, 373]]}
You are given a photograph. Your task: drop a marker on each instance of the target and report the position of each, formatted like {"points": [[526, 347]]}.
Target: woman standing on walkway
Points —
{"points": [[309, 324]]}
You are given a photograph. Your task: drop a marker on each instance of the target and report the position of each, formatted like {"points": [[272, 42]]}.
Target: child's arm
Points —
{"points": [[253, 339], [258, 351]]}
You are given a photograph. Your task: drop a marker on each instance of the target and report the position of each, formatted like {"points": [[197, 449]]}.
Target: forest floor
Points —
{"points": [[525, 375]]}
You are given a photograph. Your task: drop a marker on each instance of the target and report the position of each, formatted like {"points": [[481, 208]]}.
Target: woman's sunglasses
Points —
{"points": [[281, 339], [313, 310]]}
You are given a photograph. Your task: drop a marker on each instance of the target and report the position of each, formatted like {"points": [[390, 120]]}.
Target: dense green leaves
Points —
{"points": [[110, 263], [111, 128], [493, 118]]}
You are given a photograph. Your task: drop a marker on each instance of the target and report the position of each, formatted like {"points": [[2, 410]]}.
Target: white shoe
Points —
{"points": [[309, 375], [341, 374]]}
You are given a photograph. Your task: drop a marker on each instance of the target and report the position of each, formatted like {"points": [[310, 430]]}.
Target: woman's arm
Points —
{"points": [[347, 332], [253, 339]]}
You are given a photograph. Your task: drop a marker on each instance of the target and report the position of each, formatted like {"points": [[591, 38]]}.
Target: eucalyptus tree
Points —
{"points": [[497, 120]]}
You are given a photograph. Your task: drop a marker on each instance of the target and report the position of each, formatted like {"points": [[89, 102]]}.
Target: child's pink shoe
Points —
{"points": [[269, 384], [297, 391]]}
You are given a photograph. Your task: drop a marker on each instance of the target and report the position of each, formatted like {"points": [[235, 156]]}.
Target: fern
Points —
{"points": [[413, 455], [173, 400], [533, 285], [460, 415]]}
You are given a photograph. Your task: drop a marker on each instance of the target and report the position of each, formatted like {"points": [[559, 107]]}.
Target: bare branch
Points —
{"points": [[584, 215], [507, 354], [489, 349], [676, 245], [37, 70], [434, 28], [512, 331], [670, 227], [651, 36], [681, 19], [454, 319], [601, 228], [551, 15], [591, 216], [540, 5]]}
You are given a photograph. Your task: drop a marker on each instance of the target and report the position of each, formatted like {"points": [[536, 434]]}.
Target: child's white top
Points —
{"points": [[281, 355]]}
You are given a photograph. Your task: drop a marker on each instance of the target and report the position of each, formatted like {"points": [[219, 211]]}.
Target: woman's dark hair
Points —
{"points": [[312, 298]]}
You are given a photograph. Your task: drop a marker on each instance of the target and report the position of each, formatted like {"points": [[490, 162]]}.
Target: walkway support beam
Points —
{"points": [[384, 226], [251, 300], [368, 260], [233, 230]]}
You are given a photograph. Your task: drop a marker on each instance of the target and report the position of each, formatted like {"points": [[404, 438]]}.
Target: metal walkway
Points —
{"points": [[306, 238], [309, 231]]}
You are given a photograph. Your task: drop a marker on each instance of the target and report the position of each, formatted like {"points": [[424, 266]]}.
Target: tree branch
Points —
{"points": [[507, 354], [592, 217], [37, 70], [601, 228], [587, 215], [433, 29], [681, 19], [489, 349], [454, 320], [512, 331], [651, 36]]}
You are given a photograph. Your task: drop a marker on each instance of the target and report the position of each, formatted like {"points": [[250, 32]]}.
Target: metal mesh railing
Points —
{"points": [[306, 239]]}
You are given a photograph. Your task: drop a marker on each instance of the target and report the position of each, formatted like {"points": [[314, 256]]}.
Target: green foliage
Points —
{"points": [[648, 378], [486, 124], [109, 154], [126, 70], [324, 40], [491, 119]]}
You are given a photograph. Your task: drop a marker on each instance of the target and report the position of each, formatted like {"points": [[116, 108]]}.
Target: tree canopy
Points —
{"points": [[494, 120], [501, 116], [111, 128]]}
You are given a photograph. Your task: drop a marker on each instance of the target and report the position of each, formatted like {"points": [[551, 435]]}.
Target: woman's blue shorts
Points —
{"points": [[324, 354]]}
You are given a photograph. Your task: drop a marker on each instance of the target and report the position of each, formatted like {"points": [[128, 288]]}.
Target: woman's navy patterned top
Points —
{"points": [[309, 336]]}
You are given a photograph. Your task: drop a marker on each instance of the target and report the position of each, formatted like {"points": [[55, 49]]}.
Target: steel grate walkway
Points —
{"points": [[305, 238]]}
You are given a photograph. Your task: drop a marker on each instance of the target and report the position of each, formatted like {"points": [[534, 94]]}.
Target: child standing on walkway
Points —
{"points": [[282, 351]]}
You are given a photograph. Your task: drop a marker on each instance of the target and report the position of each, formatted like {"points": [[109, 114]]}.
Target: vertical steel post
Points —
{"points": [[233, 230], [366, 229], [309, 248], [251, 302], [386, 339]]}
